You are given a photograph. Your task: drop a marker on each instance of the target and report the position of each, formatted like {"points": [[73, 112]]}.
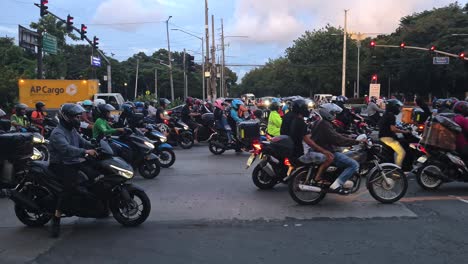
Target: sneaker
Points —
{"points": [[55, 227], [348, 185], [339, 190]]}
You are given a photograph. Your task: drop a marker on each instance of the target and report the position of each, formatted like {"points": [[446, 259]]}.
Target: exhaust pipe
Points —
{"points": [[23, 201], [309, 188]]}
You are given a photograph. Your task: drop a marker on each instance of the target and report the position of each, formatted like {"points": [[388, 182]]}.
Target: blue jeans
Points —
{"points": [[351, 166]]}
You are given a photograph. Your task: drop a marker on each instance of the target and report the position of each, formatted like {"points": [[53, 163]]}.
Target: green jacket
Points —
{"points": [[20, 120], [274, 124], [102, 128]]}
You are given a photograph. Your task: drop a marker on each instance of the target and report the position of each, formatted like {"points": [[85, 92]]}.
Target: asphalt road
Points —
{"points": [[207, 210]]}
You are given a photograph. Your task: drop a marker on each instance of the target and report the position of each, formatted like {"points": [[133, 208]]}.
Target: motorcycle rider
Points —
{"points": [[67, 152], [346, 116], [102, 128], [221, 118], [151, 110], [419, 101], [87, 120], [274, 119], [374, 111], [388, 130], [38, 115], [187, 113], [461, 111], [298, 133], [19, 121], [326, 136], [160, 116]]}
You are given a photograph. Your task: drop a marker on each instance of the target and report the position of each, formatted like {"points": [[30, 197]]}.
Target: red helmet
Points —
{"points": [[189, 101], [461, 107], [198, 102]]}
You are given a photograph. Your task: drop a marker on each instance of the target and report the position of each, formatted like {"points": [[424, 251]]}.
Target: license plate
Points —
{"points": [[422, 159], [251, 160]]}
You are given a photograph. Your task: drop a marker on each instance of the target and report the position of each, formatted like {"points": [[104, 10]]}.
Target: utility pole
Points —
{"points": [[358, 67], [39, 55], [213, 95], [156, 83], [223, 84], [136, 77], [207, 58], [170, 60], [185, 76], [343, 77]]}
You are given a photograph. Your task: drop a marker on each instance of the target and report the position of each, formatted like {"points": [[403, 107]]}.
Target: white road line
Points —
{"points": [[460, 199]]}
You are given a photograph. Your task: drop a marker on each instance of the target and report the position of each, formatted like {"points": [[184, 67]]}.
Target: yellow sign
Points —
{"points": [[148, 92], [54, 93]]}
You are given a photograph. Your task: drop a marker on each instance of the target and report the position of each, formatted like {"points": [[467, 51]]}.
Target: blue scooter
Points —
{"points": [[162, 149]]}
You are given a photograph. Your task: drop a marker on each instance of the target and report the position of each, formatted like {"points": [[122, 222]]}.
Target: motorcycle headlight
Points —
{"points": [[149, 145], [37, 155], [311, 104], [123, 172], [267, 103], [163, 139], [186, 127], [38, 140]]}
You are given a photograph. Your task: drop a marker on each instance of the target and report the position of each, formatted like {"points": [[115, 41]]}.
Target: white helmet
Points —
{"points": [[163, 128], [328, 111], [99, 102], [2, 113]]}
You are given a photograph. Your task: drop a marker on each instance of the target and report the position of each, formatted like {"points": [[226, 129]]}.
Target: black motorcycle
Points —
{"points": [[137, 150], [274, 162], [206, 127], [179, 133], [386, 182], [247, 133], [37, 194]]}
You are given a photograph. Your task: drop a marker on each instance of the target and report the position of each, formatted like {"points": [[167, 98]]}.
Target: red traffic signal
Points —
{"points": [[69, 23], [462, 55], [374, 78], [433, 48], [372, 44], [83, 31], [402, 45], [44, 7]]}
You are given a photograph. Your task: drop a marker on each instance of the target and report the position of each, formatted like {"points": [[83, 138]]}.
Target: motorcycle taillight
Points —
{"points": [[166, 122], [287, 162]]}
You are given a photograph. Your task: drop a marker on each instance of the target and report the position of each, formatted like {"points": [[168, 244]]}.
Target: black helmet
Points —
{"points": [[19, 107], [274, 106], [437, 103], [39, 105], [299, 106], [164, 102], [394, 106], [68, 115], [104, 109]]}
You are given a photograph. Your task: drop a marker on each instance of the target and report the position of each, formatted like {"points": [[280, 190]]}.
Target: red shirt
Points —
{"points": [[461, 139]]}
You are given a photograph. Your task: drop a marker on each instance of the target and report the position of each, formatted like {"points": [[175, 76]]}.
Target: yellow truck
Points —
{"points": [[54, 93]]}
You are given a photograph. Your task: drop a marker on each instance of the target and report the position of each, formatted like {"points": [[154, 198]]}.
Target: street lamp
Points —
{"points": [[203, 56]]}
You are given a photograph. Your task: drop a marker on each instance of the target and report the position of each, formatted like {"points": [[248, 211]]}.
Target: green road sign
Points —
{"points": [[49, 43]]}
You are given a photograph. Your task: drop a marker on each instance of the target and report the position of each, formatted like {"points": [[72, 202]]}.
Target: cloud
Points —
{"points": [[279, 21], [8, 30], [123, 14]]}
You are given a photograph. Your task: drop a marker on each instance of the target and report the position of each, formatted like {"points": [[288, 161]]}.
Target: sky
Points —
{"points": [[264, 28]]}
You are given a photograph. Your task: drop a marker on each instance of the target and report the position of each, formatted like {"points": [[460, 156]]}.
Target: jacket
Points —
{"points": [[274, 124], [325, 136], [67, 146], [102, 128]]}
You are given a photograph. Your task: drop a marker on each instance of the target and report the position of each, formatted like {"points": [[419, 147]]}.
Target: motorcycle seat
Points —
{"points": [[44, 167]]}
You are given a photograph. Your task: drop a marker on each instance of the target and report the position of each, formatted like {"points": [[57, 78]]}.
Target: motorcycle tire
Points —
{"points": [[167, 158], [215, 148], [261, 179], [427, 182], [376, 182], [123, 211], [44, 151], [298, 177], [149, 169], [186, 140], [28, 218]]}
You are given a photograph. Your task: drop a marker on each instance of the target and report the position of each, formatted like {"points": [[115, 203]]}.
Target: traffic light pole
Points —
{"points": [[423, 49], [39, 55], [185, 76]]}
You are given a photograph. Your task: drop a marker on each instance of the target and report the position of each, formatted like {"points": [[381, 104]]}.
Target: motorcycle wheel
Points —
{"points": [[303, 197], [186, 140], [215, 148], [384, 191], [134, 212], [149, 169], [44, 151], [33, 219], [262, 180], [166, 158], [426, 181]]}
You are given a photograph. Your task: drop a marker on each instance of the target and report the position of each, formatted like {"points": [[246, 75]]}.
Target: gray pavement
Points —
{"points": [[207, 210]]}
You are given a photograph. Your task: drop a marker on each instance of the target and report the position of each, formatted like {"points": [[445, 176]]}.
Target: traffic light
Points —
{"points": [[69, 24], [83, 31], [432, 49], [44, 7], [402, 45], [191, 63], [372, 44], [462, 56], [374, 78], [95, 42]]}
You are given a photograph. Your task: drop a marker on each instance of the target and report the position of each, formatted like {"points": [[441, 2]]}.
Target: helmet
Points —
{"points": [[139, 104], [437, 103], [87, 103], [275, 104], [198, 102], [104, 109], [39, 105], [394, 106], [2, 113], [189, 101], [373, 99], [328, 111], [163, 128], [461, 107], [19, 107], [236, 103], [99, 102], [299, 106], [164, 102], [341, 98], [219, 104], [147, 104], [68, 115], [333, 99], [128, 107], [449, 103]]}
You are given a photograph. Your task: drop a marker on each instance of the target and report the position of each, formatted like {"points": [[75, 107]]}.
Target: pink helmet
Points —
{"points": [[219, 104]]}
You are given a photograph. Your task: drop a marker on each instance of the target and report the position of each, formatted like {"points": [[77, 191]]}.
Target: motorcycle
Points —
{"points": [[49, 125], [179, 133], [206, 127], [386, 182], [274, 163], [162, 149], [137, 150], [37, 194], [248, 133]]}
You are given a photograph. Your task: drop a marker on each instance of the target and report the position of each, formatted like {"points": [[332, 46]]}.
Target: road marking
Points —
{"points": [[460, 199], [427, 198]]}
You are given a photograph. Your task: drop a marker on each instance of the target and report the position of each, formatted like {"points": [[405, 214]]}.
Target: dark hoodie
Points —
{"points": [[325, 136]]}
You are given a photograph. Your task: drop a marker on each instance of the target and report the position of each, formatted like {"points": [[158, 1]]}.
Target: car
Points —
{"points": [[264, 102]]}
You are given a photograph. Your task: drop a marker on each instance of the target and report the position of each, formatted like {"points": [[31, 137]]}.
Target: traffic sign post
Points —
{"points": [[441, 60], [374, 90], [95, 61], [49, 44]]}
